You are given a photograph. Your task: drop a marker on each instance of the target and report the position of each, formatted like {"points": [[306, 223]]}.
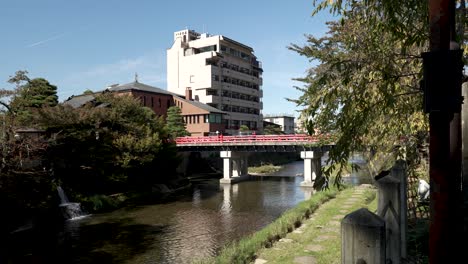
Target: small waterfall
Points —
{"points": [[70, 211], [62, 195]]}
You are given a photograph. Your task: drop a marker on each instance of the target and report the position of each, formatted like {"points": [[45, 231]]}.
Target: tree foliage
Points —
{"points": [[30, 95], [272, 130], [110, 147], [365, 87], [244, 128], [175, 124]]}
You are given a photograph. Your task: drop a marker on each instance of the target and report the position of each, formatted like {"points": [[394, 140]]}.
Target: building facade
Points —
{"points": [[286, 122], [157, 99], [221, 72], [201, 119]]}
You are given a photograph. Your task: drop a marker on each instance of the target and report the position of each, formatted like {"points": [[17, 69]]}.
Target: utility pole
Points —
{"points": [[443, 102]]}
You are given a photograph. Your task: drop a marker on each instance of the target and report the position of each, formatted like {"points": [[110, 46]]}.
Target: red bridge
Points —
{"points": [[234, 151], [261, 143], [298, 139]]}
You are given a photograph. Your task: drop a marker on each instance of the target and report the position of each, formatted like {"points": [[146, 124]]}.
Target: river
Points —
{"points": [[195, 224]]}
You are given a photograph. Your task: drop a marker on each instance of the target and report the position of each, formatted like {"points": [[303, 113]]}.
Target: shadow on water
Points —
{"points": [[119, 242], [107, 242], [194, 223]]}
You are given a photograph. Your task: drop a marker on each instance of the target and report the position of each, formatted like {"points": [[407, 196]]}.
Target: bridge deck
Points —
{"points": [[266, 143]]}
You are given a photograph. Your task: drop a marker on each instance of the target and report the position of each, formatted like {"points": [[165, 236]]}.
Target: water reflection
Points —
{"points": [[195, 225]]}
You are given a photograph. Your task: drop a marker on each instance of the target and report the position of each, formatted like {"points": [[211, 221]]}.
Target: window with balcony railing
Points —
{"points": [[207, 48], [211, 92]]}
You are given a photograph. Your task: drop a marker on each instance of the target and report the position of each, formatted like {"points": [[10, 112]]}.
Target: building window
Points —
{"points": [[159, 101], [214, 118], [144, 100], [152, 101], [211, 92], [168, 103]]}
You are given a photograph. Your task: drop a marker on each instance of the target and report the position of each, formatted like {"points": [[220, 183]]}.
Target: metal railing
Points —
{"points": [[300, 138]]}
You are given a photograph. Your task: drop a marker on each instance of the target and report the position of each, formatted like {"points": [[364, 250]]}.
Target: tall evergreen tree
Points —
{"points": [[175, 124], [30, 95], [36, 93]]}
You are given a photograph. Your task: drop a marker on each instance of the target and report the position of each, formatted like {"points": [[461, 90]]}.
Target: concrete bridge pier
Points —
{"points": [[235, 166], [312, 167]]}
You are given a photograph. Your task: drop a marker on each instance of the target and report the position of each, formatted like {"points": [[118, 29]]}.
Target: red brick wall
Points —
{"points": [[197, 126], [159, 103]]}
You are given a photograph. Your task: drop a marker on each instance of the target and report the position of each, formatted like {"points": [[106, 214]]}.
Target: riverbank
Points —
{"points": [[264, 169], [287, 239], [318, 239]]}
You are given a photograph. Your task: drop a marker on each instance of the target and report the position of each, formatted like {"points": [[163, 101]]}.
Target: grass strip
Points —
{"points": [[322, 230], [244, 251], [267, 168]]}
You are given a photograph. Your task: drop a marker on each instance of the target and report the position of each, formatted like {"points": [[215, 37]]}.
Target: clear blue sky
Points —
{"points": [[89, 44]]}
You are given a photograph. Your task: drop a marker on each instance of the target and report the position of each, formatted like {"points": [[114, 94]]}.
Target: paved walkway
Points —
{"points": [[318, 239]]}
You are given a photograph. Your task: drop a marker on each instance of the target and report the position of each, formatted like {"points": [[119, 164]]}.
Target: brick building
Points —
{"points": [[201, 119]]}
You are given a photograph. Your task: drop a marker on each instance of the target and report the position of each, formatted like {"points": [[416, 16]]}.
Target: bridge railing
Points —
{"points": [[247, 138]]}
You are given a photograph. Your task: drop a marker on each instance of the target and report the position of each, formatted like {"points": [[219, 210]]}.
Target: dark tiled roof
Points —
{"points": [[139, 87], [79, 101]]}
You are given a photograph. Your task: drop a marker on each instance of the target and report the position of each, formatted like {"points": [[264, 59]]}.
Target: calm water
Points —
{"points": [[195, 225]]}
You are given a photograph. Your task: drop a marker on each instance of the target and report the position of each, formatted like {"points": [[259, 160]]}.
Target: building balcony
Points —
{"points": [[238, 86], [243, 103]]}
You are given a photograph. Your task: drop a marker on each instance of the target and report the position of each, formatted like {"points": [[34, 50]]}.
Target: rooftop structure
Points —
{"points": [[286, 122], [221, 72]]}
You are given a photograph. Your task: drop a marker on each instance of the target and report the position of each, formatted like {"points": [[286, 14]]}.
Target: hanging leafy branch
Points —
{"points": [[365, 87]]}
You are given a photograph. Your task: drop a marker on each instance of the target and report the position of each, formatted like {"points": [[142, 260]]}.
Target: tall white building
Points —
{"points": [[221, 72]]}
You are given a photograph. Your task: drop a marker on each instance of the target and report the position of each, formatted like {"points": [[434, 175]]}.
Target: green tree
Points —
{"points": [[365, 87], [272, 130], [175, 124], [243, 128], [30, 95], [88, 92], [111, 148]]}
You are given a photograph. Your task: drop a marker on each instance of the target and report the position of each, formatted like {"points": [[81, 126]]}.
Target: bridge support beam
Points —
{"points": [[235, 165], [312, 167]]}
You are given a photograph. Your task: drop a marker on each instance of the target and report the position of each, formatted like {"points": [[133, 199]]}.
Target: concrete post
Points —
{"points": [[240, 165], [227, 164], [464, 121], [312, 167], [389, 209], [399, 172], [235, 167], [362, 238]]}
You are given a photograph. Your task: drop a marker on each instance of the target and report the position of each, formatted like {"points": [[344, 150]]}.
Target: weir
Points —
{"points": [[70, 211]]}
